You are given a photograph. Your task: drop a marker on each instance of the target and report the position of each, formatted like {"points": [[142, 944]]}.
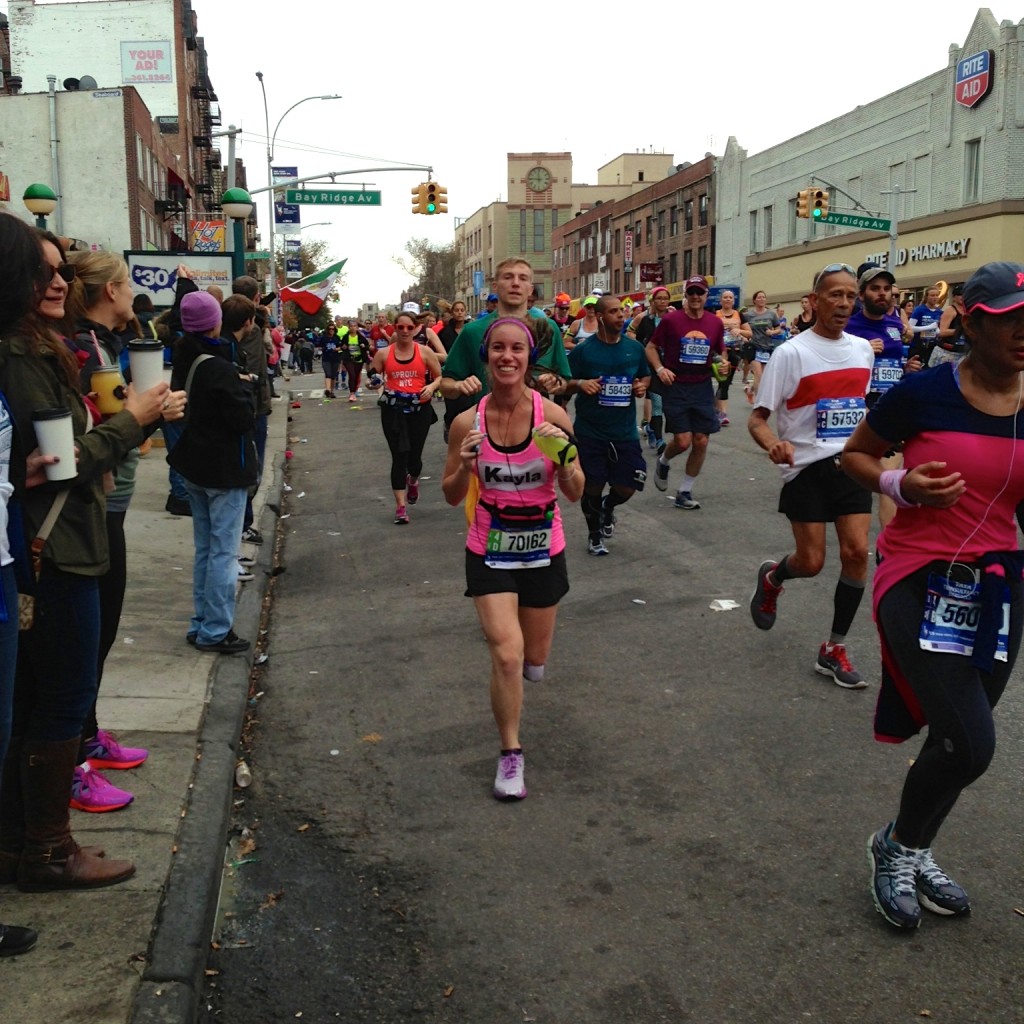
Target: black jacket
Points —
{"points": [[216, 448]]}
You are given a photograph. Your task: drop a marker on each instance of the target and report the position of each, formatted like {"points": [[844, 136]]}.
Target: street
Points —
{"points": [[693, 843]]}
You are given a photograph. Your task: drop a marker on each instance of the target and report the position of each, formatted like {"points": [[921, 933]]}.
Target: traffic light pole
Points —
{"points": [[894, 196], [334, 174]]}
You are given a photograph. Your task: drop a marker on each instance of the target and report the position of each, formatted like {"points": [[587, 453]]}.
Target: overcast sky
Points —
{"points": [[461, 90]]}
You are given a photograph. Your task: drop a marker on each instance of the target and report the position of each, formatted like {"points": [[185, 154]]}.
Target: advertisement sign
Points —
{"points": [[651, 273], [286, 217], [146, 63], [293, 269], [974, 77], [627, 252], [156, 273], [280, 174], [478, 282], [207, 236], [292, 244]]}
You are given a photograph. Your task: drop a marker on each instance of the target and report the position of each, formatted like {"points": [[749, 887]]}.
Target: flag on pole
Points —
{"points": [[310, 293]]}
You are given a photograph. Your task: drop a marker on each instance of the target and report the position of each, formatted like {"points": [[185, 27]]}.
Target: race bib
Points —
{"points": [[885, 373], [694, 351], [615, 392], [837, 418], [951, 615], [518, 549]]}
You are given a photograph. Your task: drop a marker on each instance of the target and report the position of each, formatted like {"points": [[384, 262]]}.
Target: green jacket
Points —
{"points": [[78, 543]]}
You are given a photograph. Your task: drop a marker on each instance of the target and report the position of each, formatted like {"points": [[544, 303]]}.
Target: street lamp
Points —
{"points": [[237, 204], [40, 200], [271, 138]]}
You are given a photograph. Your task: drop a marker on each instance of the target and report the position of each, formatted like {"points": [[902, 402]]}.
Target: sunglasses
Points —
{"points": [[405, 327], [833, 268], [65, 271], [695, 291]]}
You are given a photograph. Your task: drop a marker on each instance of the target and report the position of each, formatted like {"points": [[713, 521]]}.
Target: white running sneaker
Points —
{"points": [[509, 783]]}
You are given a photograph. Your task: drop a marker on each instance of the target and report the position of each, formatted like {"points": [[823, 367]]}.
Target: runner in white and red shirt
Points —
{"points": [[815, 385]]}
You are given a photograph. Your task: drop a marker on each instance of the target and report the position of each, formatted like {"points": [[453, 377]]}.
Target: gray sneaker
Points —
{"points": [[833, 661], [894, 879], [508, 782], [936, 891]]}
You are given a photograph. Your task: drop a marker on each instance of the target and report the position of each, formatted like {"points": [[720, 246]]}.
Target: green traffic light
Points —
{"points": [[817, 213], [431, 207]]}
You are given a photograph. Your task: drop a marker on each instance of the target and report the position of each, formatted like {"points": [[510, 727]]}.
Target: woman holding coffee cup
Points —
{"points": [[55, 681], [100, 303]]}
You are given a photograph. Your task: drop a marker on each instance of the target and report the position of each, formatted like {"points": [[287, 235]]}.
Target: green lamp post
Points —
{"points": [[40, 200], [237, 204]]}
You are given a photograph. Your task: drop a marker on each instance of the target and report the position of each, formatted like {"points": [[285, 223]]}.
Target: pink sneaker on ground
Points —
{"points": [[91, 792], [104, 751]]}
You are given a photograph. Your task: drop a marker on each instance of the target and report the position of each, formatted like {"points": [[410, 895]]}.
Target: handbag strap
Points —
{"points": [[39, 541], [192, 372]]}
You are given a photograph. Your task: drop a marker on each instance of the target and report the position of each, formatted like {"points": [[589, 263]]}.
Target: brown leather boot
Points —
{"points": [[50, 858]]}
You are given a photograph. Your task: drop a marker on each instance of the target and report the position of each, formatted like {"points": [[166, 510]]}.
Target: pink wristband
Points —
{"points": [[889, 484]]}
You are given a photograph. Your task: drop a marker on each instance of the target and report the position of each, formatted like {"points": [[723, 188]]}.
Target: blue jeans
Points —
{"points": [[217, 532], [172, 434], [260, 437], [56, 682], [8, 654]]}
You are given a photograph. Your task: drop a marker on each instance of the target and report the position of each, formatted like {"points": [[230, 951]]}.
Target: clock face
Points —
{"points": [[539, 179]]}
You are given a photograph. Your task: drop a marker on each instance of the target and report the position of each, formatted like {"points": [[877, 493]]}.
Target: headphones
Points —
{"points": [[509, 320]]}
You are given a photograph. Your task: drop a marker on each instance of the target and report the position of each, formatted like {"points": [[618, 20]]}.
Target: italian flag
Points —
{"points": [[310, 293]]}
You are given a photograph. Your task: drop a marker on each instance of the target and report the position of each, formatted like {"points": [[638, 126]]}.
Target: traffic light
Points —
{"points": [[431, 197], [803, 203], [819, 203], [419, 199], [442, 199]]}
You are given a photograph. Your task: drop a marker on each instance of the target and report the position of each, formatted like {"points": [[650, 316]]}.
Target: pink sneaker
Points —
{"points": [[104, 751], [412, 489], [91, 792]]}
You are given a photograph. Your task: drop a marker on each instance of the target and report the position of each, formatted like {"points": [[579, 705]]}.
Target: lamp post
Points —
{"points": [[270, 172], [237, 204], [40, 200]]}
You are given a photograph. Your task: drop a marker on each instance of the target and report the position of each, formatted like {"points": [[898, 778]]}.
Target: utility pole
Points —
{"points": [[894, 195]]}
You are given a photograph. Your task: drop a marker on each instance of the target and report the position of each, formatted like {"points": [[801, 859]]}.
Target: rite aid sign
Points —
{"points": [[974, 77]]}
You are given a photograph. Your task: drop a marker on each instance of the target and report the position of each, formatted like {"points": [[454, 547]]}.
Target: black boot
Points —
{"points": [[14, 940]]}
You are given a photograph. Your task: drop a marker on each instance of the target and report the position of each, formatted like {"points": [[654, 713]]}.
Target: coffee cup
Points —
{"points": [[108, 385], [55, 435], [146, 359]]}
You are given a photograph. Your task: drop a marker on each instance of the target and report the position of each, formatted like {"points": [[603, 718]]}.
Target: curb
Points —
{"points": [[172, 983]]}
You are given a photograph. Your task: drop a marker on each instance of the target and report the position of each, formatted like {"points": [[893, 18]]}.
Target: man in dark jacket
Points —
{"points": [[216, 456]]}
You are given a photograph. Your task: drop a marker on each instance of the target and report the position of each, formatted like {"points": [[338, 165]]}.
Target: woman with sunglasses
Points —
{"points": [[406, 412], [948, 595], [55, 683]]}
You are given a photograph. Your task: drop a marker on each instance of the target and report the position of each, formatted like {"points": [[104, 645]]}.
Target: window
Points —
{"points": [[538, 231], [522, 230], [650, 230], [618, 240], [972, 170], [554, 219], [791, 219], [661, 225], [618, 284], [702, 260], [688, 215], [753, 232], [702, 217], [687, 264], [768, 227], [673, 266], [673, 223]]}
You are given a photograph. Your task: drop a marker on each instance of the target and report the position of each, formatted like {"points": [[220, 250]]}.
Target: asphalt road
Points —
{"points": [[693, 845]]}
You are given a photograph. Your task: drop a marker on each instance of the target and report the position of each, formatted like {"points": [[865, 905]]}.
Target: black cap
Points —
{"points": [[995, 288]]}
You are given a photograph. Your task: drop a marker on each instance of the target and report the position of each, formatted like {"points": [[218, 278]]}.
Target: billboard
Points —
{"points": [[207, 236], [156, 273], [147, 63]]}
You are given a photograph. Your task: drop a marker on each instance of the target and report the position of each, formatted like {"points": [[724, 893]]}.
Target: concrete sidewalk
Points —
{"points": [[136, 952]]}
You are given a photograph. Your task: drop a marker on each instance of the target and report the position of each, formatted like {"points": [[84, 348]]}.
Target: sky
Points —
{"points": [[458, 87]]}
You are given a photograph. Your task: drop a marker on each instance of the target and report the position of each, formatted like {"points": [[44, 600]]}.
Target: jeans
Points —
{"points": [[260, 437], [172, 433], [55, 683], [8, 654], [217, 532]]}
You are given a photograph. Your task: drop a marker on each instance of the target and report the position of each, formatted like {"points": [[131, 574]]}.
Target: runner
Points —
{"points": [[609, 373], [515, 546], [947, 594], [641, 329], [815, 384], [765, 331], [331, 359]]}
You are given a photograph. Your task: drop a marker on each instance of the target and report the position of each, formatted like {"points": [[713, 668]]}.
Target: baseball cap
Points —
{"points": [[994, 288], [696, 282], [492, 297], [561, 299], [412, 307], [598, 292], [590, 300], [871, 273]]}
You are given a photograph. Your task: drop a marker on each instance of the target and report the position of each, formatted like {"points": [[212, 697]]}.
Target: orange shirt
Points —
{"points": [[407, 377]]}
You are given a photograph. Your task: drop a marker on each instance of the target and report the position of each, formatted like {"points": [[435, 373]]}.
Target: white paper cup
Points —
{"points": [[146, 359], [55, 435]]}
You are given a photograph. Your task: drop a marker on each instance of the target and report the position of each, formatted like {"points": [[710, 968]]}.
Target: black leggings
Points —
{"points": [[406, 434], [957, 700]]}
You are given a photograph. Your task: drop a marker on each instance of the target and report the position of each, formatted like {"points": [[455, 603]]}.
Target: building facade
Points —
{"points": [[943, 158]]}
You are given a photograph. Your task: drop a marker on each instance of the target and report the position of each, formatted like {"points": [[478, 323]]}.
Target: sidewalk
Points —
{"points": [[136, 952]]}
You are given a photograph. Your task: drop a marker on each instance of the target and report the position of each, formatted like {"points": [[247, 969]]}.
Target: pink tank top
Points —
{"points": [[517, 524]]}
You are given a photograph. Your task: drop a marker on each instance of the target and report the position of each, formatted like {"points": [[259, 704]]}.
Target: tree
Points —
{"points": [[433, 268]]}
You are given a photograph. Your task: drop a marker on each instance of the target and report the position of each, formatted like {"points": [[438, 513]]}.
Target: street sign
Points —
{"points": [[259, 254], [853, 220], [332, 197]]}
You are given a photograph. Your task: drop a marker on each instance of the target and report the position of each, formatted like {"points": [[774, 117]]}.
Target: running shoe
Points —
{"points": [[833, 661], [894, 870], [401, 516], [607, 521], [245, 574], [684, 499], [661, 474], [252, 536], [936, 891], [662, 445], [91, 792], [766, 594], [723, 420], [247, 560], [652, 441], [412, 489], [104, 751], [596, 547], [508, 782]]}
